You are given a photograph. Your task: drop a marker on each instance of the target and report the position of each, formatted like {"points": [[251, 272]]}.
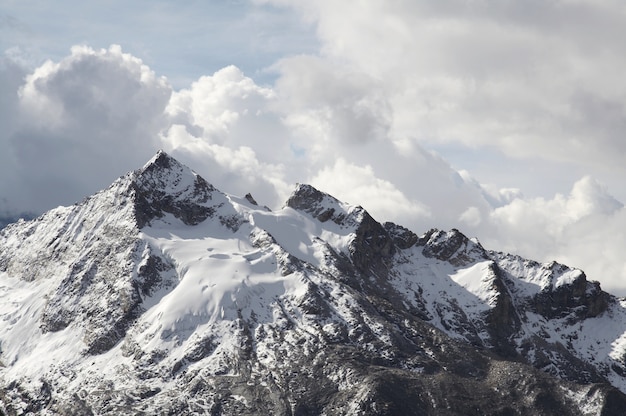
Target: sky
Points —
{"points": [[504, 119]]}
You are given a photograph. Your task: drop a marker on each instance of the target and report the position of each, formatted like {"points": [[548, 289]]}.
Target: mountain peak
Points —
{"points": [[321, 206], [164, 185], [452, 246], [161, 160], [304, 195], [163, 165]]}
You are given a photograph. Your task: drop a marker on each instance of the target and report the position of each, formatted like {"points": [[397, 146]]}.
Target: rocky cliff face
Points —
{"points": [[163, 295]]}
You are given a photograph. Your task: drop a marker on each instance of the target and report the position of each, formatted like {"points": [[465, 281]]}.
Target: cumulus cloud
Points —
{"points": [[11, 75], [214, 104], [76, 124], [224, 127], [551, 217], [596, 244], [70, 127], [471, 217], [582, 229], [95, 114], [331, 104], [360, 185], [234, 169], [313, 125], [528, 79]]}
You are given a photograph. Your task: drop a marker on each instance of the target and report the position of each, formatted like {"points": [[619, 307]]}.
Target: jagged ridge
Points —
{"points": [[188, 300]]}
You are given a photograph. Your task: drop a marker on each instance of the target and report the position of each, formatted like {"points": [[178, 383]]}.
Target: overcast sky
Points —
{"points": [[504, 119]]}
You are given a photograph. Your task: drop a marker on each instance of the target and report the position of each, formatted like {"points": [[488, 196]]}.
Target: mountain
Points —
{"points": [[164, 295], [8, 219]]}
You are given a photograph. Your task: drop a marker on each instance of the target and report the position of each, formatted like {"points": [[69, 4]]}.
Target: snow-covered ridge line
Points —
{"points": [[162, 292]]}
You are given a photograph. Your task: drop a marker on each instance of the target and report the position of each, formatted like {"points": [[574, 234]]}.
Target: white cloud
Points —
{"points": [[11, 75], [77, 124], [359, 185], [538, 83], [95, 114], [596, 244], [224, 126], [529, 79], [551, 217], [330, 106], [215, 103], [471, 216], [70, 127], [582, 229], [235, 170]]}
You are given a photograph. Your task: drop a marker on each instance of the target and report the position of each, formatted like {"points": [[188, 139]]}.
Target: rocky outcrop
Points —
{"points": [[452, 246], [163, 186], [403, 238], [578, 299], [503, 320], [317, 204], [372, 247]]}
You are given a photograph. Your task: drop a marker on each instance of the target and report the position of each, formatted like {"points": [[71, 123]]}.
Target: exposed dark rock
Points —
{"points": [[250, 199], [452, 246], [156, 192], [372, 247], [556, 359], [402, 237], [578, 298], [503, 320], [319, 205], [150, 205], [150, 275], [614, 402], [100, 340]]}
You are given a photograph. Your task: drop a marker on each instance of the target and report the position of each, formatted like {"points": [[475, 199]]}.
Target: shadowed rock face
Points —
{"points": [[157, 190], [451, 246], [403, 238], [584, 298], [503, 320], [372, 247], [376, 324], [319, 205]]}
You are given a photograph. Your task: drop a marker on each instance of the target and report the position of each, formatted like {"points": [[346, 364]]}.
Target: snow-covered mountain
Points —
{"points": [[163, 295], [8, 219]]}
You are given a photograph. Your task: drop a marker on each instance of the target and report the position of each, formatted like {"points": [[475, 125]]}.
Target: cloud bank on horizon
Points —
{"points": [[383, 115]]}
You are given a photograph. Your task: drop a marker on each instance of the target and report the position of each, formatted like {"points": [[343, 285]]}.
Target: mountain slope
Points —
{"points": [[163, 295]]}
